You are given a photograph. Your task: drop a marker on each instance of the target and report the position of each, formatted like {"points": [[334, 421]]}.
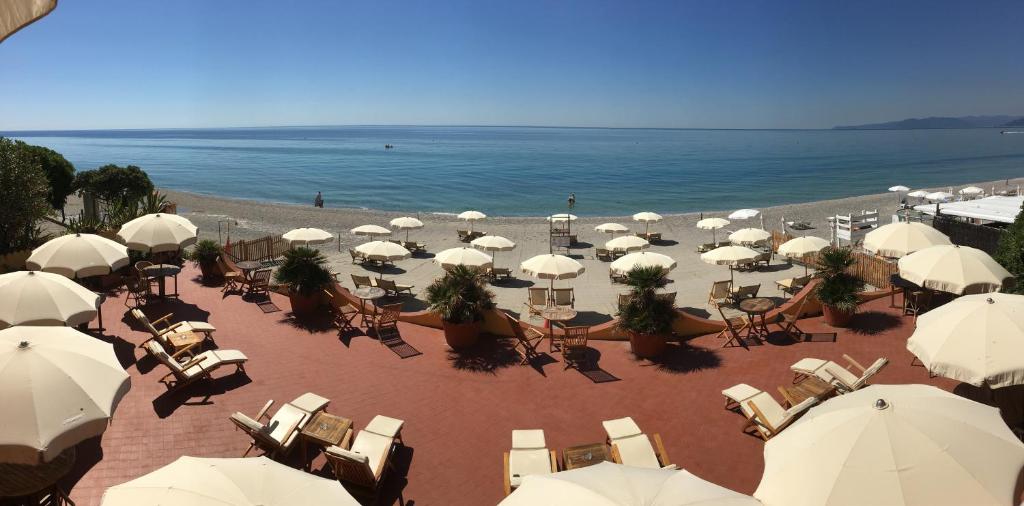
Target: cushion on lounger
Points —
{"points": [[769, 407], [385, 426], [195, 326], [799, 408], [225, 357], [286, 424], [343, 453], [740, 392], [310, 402], [244, 420], [808, 365], [637, 451], [833, 370], [620, 428], [374, 446], [522, 463], [528, 439]]}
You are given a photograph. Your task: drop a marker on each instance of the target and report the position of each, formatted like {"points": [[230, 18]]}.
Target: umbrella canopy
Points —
{"points": [[898, 188], [384, 251], [642, 259], [42, 298], [971, 190], [893, 444], [977, 339], [562, 218], [712, 223], [228, 482], [743, 214], [918, 194], [608, 484], [370, 230], [647, 218], [17, 14], [471, 217], [729, 255], [954, 269], [611, 228], [158, 232], [493, 243], [79, 256], [552, 267], [802, 246], [307, 236], [939, 196], [897, 240], [406, 223], [627, 243], [468, 257], [63, 385], [746, 236]]}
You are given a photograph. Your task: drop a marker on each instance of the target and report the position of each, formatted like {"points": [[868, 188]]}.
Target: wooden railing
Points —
{"points": [[265, 249], [875, 271]]}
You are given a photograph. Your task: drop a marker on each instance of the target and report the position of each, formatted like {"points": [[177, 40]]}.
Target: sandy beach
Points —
{"points": [[595, 294]]}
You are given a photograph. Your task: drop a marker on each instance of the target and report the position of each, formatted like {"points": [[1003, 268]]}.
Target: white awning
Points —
{"points": [[996, 208]]}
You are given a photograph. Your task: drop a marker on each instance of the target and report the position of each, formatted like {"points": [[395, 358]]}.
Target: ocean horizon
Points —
{"points": [[529, 171]]}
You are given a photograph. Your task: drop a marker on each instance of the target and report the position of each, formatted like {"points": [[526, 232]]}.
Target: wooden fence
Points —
{"points": [[875, 271], [265, 249], [984, 237]]}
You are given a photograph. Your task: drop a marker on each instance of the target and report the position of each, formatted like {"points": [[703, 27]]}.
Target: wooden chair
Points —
{"points": [[745, 292], [617, 277], [763, 258], [199, 367], [385, 323], [719, 293], [574, 345], [499, 273], [787, 321], [529, 456], [343, 312], [564, 297], [915, 301], [527, 339], [392, 288], [791, 286], [140, 271], [733, 327], [631, 447], [234, 278], [767, 417], [365, 464], [160, 328], [259, 282], [138, 292], [704, 248], [357, 257], [603, 254], [537, 301], [361, 281], [277, 436]]}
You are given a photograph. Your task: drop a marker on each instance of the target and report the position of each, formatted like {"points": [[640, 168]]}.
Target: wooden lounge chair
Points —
{"points": [[564, 297], [734, 325], [529, 456], [394, 289], [787, 321], [617, 277], [527, 338], [343, 312], [842, 377], [275, 438], [720, 292], [537, 301], [574, 345], [361, 281], [197, 368], [736, 394], [630, 446], [414, 246], [765, 415], [499, 273], [744, 292], [160, 334], [704, 248], [762, 258], [793, 285], [364, 465], [357, 257], [385, 322], [259, 282], [603, 254]]}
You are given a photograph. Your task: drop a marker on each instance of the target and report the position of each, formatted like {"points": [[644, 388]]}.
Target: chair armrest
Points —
{"points": [[192, 363], [506, 477], [615, 454], [659, 448], [263, 412], [162, 318], [854, 363], [170, 328], [554, 461], [187, 349], [758, 417], [346, 440]]}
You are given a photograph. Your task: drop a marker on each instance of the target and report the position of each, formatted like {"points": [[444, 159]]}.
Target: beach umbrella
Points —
{"points": [[712, 224], [256, 481], [918, 194], [897, 240], [493, 243], [954, 269], [466, 256], [562, 218], [471, 216], [608, 484], [611, 228], [307, 236], [59, 388], [939, 196], [383, 251], [406, 223], [801, 247], [551, 266], [977, 339], [647, 218], [893, 445], [42, 298], [78, 256], [743, 214], [17, 14], [154, 233], [371, 230], [729, 255], [627, 243], [971, 190], [748, 236], [642, 259], [898, 188]]}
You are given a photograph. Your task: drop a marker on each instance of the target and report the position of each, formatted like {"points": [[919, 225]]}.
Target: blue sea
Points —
{"points": [[521, 171]]}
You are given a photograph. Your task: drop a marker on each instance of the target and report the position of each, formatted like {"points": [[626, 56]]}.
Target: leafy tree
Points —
{"points": [[115, 185], [59, 172], [838, 288], [643, 311], [304, 270], [24, 196], [461, 295], [1010, 253]]}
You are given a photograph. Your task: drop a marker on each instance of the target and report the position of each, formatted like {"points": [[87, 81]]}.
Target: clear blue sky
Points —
{"points": [[717, 64]]}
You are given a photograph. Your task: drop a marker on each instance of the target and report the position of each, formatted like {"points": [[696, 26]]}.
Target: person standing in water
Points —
{"points": [[319, 200], [572, 200]]}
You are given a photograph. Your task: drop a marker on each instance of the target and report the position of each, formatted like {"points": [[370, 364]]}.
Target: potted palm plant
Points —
{"points": [[304, 271], [204, 255], [838, 289], [461, 298], [645, 316]]}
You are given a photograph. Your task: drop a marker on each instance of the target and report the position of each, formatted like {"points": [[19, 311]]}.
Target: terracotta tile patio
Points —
{"points": [[459, 413]]}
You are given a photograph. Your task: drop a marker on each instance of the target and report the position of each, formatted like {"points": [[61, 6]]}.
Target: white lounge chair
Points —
{"points": [[529, 455], [280, 432], [196, 368], [768, 417], [831, 372], [370, 455], [736, 394], [630, 446], [160, 334]]}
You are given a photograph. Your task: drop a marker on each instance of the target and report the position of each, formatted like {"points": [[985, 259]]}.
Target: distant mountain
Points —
{"points": [[940, 122]]}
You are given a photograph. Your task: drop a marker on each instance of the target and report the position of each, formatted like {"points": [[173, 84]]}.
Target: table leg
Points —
{"points": [[162, 282]]}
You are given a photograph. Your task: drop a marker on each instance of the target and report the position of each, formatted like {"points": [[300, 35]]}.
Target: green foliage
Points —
{"points": [[304, 270], [461, 295], [59, 172], [205, 252], [838, 288], [1010, 253], [644, 311], [115, 185], [83, 225], [152, 203], [24, 197]]}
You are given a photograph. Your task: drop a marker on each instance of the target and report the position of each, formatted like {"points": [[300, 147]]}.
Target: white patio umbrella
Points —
{"points": [[647, 217], [611, 228], [920, 194], [551, 266], [642, 259], [78, 256], [608, 484], [59, 388], [729, 255], [897, 240], [466, 256], [383, 251], [371, 230], [954, 269], [307, 236], [743, 214], [802, 246], [562, 218], [471, 216], [42, 298], [256, 481], [939, 196], [749, 236], [158, 232], [977, 339], [406, 223], [713, 224], [493, 243], [893, 445], [971, 190], [898, 189], [17, 14], [627, 243]]}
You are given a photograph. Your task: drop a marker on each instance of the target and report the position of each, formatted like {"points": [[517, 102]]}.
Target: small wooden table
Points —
{"points": [[556, 314], [587, 455], [757, 306], [182, 340], [160, 272], [368, 293], [325, 430], [810, 387], [248, 266]]}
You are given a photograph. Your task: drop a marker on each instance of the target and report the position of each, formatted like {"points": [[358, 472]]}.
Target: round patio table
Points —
{"points": [[556, 314], [757, 306], [161, 271], [368, 293]]}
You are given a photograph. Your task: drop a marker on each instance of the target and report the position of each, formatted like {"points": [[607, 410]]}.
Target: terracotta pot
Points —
{"points": [[837, 317], [303, 304], [461, 335], [646, 345]]}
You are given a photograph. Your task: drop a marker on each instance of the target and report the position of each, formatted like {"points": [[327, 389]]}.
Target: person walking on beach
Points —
{"points": [[572, 200], [319, 200]]}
